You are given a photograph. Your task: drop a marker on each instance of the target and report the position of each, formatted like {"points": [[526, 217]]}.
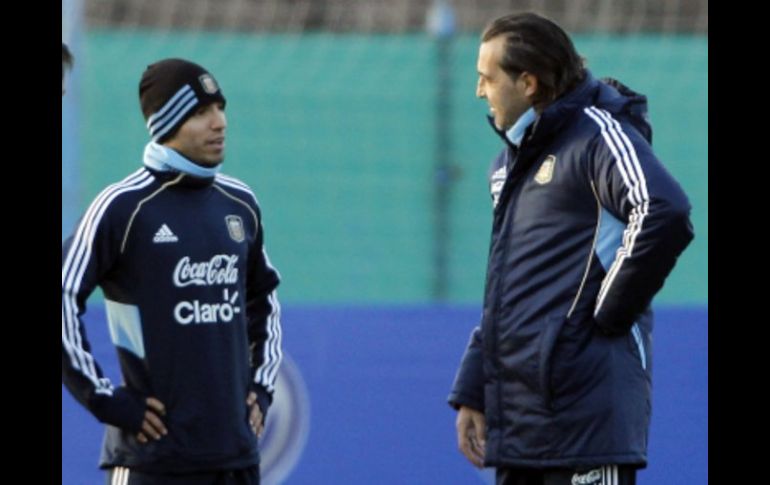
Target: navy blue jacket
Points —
{"points": [[191, 305], [587, 225]]}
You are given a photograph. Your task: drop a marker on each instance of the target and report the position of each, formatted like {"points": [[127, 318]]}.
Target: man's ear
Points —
{"points": [[529, 83]]}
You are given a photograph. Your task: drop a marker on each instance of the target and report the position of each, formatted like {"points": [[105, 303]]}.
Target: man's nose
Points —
{"points": [[479, 90], [219, 121]]}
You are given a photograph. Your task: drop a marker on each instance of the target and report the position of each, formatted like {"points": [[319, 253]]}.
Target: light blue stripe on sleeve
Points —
{"points": [[610, 238], [125, 327], [639, 344]]}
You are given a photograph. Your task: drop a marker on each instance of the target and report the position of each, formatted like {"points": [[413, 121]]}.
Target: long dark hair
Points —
{"points": [[539, 46]]}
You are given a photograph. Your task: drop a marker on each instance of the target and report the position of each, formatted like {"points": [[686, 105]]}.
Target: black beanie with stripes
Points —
{"points": [[170, 91]]}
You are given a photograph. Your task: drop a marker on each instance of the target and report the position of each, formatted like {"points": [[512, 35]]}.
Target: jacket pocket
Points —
{"points": [[572, 360], [547, 345]]}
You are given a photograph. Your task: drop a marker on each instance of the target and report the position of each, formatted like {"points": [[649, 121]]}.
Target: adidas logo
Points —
{"points": [[164, 235]]}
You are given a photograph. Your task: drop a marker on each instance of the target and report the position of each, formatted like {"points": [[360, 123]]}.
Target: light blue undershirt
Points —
{"points": [[165, 159], [516, 132]]}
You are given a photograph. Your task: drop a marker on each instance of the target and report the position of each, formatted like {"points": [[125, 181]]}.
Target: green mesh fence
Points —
{"points": [[335, 134]]}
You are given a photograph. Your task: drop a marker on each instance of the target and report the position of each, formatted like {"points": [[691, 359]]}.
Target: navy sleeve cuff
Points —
{"points": [[264, 399], [613, 330], [457, 399], [124, 409]]}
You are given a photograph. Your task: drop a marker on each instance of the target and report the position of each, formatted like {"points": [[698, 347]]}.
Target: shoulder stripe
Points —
{"points": [[630, 157], [232, 180], [613, 143], [236, 184]]}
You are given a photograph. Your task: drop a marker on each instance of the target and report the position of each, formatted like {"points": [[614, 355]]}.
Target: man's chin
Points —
{"points": [[502, 125], [213, 162]]}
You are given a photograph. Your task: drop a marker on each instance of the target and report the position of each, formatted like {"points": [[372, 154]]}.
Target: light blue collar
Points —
{"points": [[516, 133], [165, 159]]}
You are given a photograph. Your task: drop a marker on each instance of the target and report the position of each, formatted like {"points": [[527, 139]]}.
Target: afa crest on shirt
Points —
{"points": [[545, 172], [235, 228]]}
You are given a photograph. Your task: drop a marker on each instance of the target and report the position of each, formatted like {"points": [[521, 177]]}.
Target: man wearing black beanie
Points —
{"points": [[178, 250]]}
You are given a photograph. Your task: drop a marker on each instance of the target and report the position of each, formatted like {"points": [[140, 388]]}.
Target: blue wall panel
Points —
{"points": [[376, 380]]}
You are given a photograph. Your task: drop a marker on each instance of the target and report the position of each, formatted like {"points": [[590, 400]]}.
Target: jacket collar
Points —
{"points": [[554, 116]]}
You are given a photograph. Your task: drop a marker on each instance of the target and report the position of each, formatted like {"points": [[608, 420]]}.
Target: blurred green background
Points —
{"points": [[336, 135]]}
